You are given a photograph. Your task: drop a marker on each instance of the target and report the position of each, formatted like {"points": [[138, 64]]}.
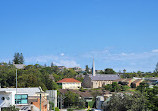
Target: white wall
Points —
{"points": [[71, 85], [9, 99], [52, 96]]}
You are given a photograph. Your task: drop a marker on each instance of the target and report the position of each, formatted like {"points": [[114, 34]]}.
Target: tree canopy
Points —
{"points": [[33, 76], [109, 71], [73, 99], [127, 102], [18, 58]]}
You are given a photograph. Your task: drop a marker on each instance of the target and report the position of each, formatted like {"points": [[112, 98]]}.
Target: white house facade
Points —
{"points": [[69, 83]]}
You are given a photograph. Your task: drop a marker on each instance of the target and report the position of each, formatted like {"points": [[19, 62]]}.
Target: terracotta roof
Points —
{"points": [[68, 80]]}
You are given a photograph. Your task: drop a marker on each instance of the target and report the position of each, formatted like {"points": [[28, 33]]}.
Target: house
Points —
{"points": [[26, 99], [69, 83], [98, 80], [136, 83]]}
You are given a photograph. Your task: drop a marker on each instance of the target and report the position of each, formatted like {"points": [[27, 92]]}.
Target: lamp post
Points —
{"points": [[40, 93]]}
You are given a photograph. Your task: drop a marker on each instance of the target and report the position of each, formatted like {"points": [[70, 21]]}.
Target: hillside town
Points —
{"points": [[78, 55], [23, 88]]}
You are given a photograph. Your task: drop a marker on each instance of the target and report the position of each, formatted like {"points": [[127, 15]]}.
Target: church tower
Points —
{"points": [[93, 68]]}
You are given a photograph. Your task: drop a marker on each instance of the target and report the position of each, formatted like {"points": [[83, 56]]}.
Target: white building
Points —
{"points": [[69, 83], [52, 96], [9, 97]]}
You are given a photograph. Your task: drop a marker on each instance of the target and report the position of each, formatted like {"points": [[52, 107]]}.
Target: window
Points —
{"points": [[21, 98]]}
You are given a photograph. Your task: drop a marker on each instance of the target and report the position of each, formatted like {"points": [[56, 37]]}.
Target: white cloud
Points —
{"points": [[98, 53], [62, 54], [155, 51], [57, 60], [144, 61], [67, 63], [123, 54], [41, 59]]}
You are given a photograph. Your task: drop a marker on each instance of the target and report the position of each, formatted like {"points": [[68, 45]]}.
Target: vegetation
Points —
{"points": [[11, 108], [33, 76], [56, 109], [127, 102], [115, 87], [73, 100], [18, 58], [87, 69], [107, 71], [144, 99], [151, 94]]}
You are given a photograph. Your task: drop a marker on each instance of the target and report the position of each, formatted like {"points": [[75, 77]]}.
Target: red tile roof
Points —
{"points": [[68, 80]]}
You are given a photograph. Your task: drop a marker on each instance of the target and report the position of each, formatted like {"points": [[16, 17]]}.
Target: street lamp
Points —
{"points": [[40, 93]]}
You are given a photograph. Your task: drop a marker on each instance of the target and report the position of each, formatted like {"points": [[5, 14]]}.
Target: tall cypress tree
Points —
{"points": [[18, 58], [21, 59]]}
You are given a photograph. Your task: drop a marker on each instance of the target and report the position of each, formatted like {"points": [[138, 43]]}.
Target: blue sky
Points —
{"points": [[119, 34]]}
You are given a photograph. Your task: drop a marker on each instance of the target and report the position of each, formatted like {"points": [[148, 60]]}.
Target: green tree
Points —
{"points": [[114, 87], [124, 71], [150, 94], [69, 73], [57, 109], [127, 102], [73, 100], [143, 87], [18, 58], [87, 69], [109, 71], [124, 87], [152, 97]]}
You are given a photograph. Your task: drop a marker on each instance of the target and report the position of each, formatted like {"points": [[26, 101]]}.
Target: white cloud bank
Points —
{"points": [[155, 51], [144, 61], [57, 60]]}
